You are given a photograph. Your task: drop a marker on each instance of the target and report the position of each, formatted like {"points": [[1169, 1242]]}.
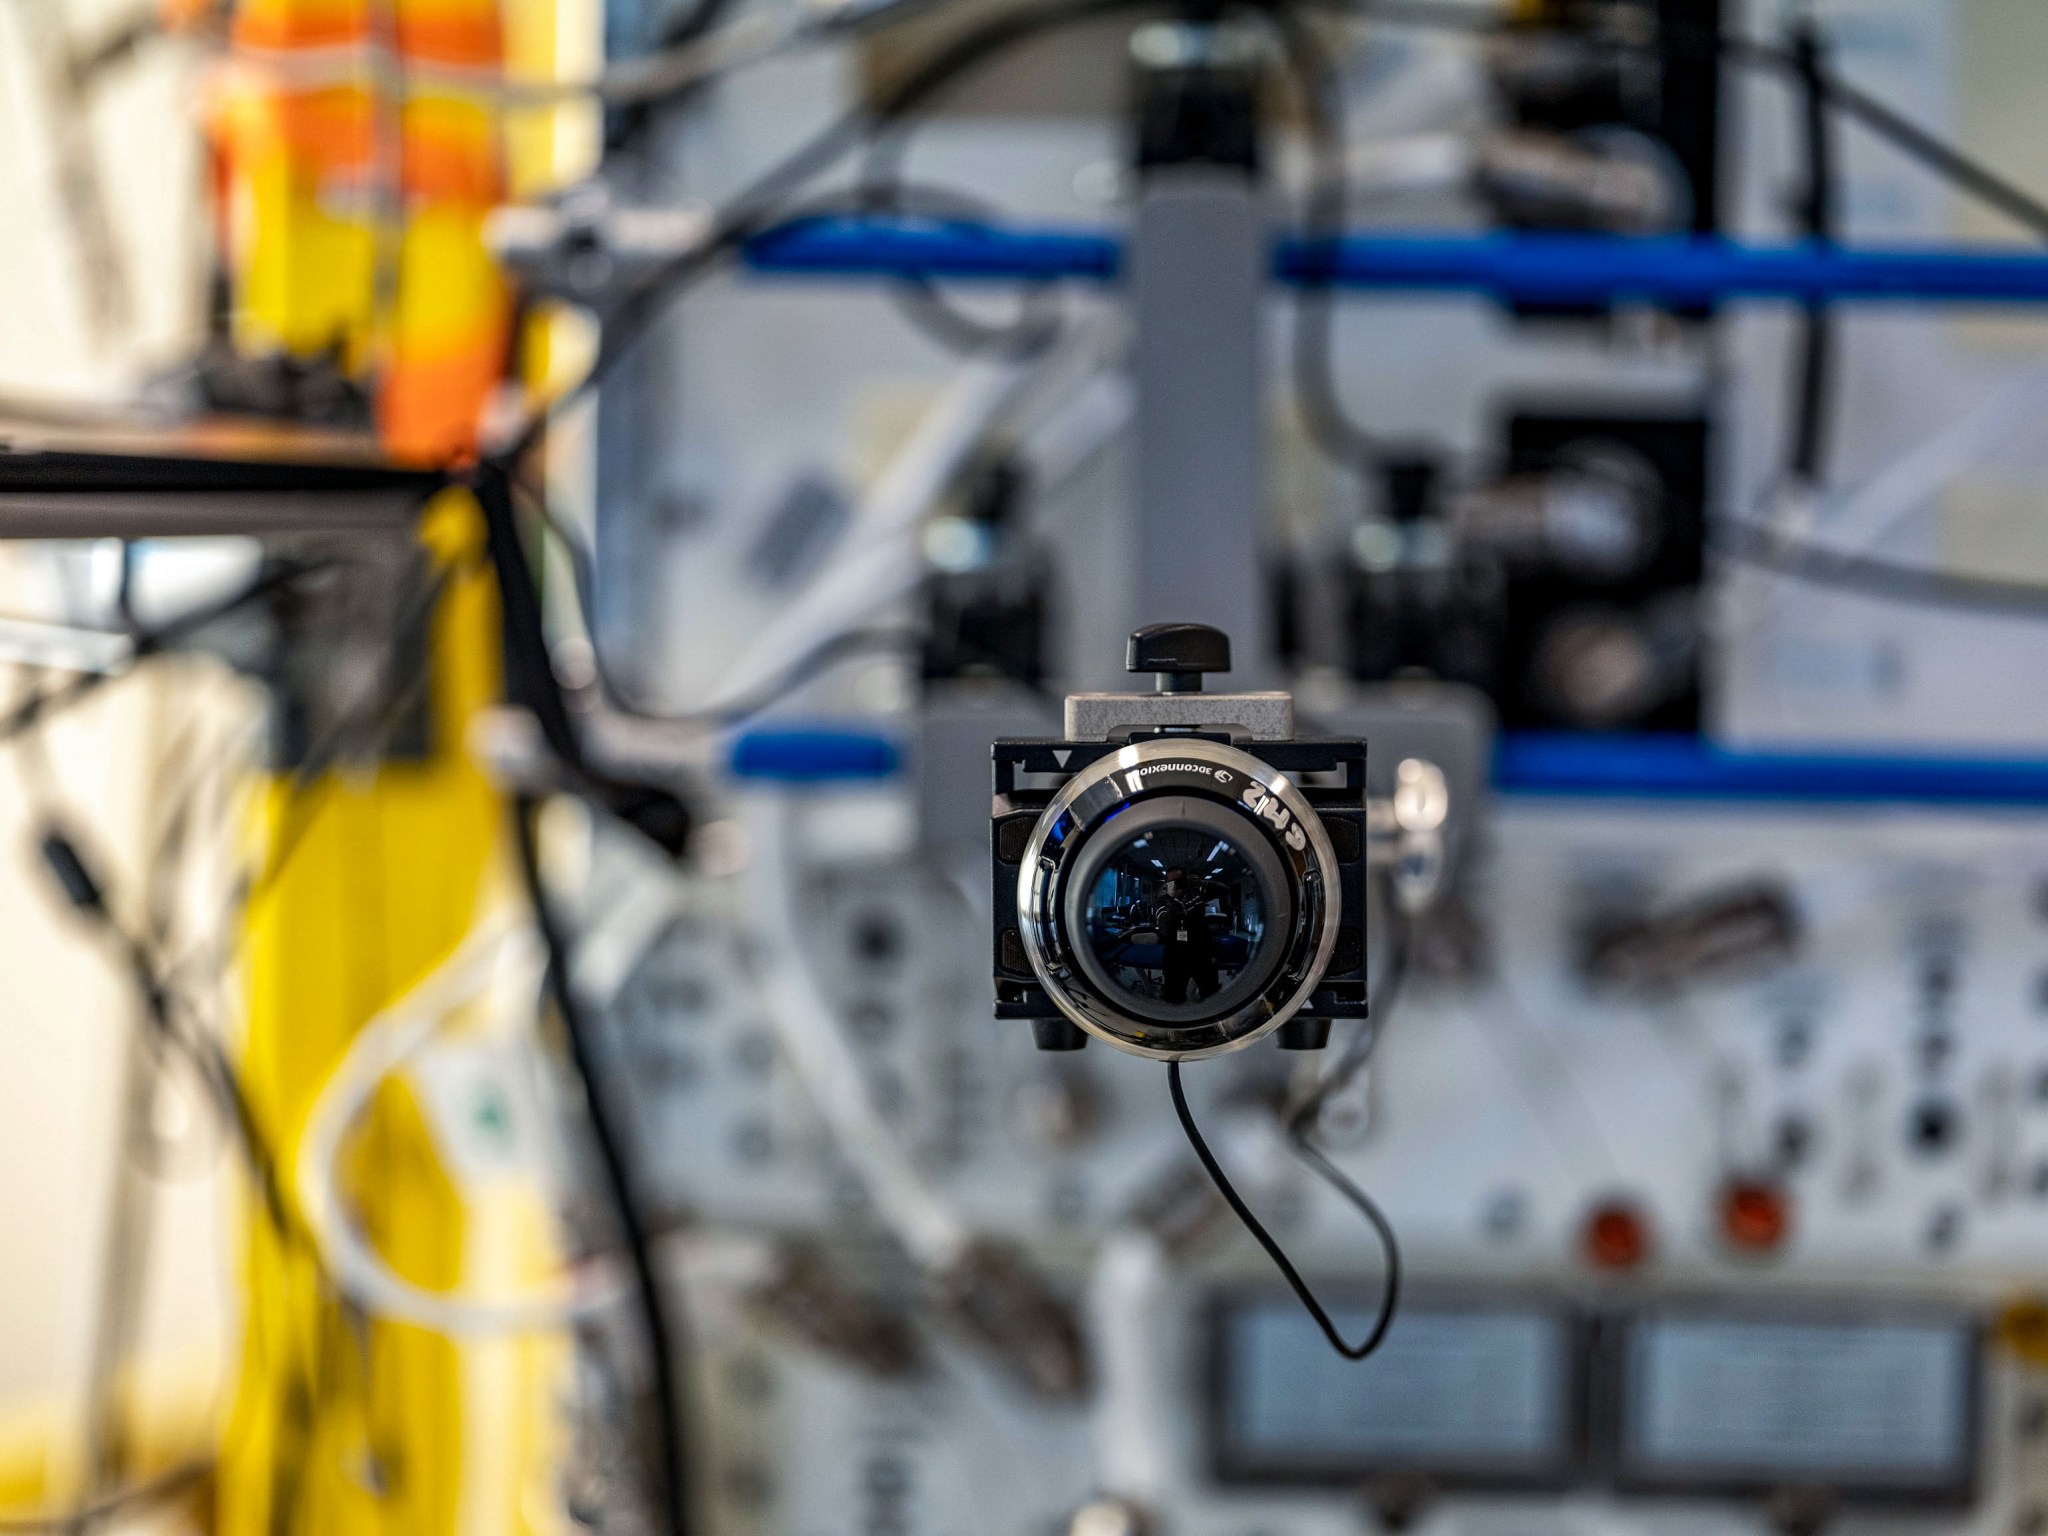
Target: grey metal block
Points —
{"points": [[1099, 716]]}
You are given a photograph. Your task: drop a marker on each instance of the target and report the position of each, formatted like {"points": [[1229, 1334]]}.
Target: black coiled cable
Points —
{"points": [[1337, 1179]]}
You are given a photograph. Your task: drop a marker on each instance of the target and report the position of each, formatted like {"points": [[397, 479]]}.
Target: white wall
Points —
{"points": [[65, 1011]]}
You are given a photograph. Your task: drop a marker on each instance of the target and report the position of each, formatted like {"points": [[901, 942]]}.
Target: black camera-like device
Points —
{"points": [[1179, 877]]}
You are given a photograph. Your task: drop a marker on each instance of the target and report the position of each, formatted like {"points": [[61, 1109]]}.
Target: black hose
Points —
{"points": [[1814, 379], [1390, 1285], [627, 124], [607, 1131], [765, 201], [1318, 396]]}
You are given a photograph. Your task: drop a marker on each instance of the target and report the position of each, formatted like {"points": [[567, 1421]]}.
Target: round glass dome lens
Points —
{"points": [[1175, 915]]}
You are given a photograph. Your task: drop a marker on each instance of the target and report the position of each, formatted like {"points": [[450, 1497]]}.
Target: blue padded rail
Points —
{"points": [[813, 755], [1685, 768], [1540, 269]]}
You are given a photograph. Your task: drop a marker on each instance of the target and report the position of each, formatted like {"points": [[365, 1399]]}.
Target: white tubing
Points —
{"points": [[879, 560], [33, 643], [1125, 1301], [807, 1023], [1420, 162], [1856, 524], [381, 1047], [1859, 521], [747, 41]]}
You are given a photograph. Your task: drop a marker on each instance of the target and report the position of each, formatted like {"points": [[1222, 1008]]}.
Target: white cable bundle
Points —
{"points": [[1127, 1298], [880, 560], [496, 953], [808, 1024]]}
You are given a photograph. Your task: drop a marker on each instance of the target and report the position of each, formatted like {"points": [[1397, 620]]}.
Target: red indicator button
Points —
{"points": [[1616, 1236], [1756, 1216]]}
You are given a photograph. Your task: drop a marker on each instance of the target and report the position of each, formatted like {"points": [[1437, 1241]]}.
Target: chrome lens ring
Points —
{"points": [[1269, 805]]}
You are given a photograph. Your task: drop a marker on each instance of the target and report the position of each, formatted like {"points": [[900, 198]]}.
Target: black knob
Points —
{"points": [[1178, 654], [1057, 1034], [1301, 1033]]}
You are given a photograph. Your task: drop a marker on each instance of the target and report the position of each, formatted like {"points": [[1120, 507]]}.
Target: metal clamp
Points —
{"points": [[583, 245], [1405, 833]]}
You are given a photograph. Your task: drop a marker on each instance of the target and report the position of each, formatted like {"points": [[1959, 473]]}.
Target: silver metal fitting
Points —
{"points": [[581, 245], [1405, 833]]}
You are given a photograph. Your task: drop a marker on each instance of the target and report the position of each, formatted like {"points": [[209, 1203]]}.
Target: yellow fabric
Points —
{"points": [[343, 1425]]}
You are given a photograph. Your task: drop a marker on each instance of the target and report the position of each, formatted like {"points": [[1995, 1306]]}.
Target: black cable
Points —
{"points": [[583, 578], [86, 893], [630, 122], [38, 706], [164, 1485], [696, 22], [1963, 171], [1392, 975], [1390, 1291], [1901, 132], [813, 663], [607, 1132], [530, 682], [761, 203], [759, 206], [1747, 543], [764, 201], [1822, 91], [1324, 216], [83, 888], [1751, 543], [1814, 375], [805, 668], [883, 190]]}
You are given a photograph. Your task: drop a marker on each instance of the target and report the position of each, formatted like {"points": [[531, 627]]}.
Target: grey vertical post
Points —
{"points": [[1197, 283]]}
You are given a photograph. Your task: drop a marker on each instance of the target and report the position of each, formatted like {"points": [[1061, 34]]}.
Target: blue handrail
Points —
{"points": [[1556, 765], [1676, 767], [1536, 269], [820, 754]]}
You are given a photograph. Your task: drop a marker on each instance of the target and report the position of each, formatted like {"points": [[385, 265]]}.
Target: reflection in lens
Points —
{"points": [[1175, 915]]}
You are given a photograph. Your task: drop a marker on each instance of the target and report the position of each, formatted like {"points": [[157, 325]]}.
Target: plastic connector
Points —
{"points": [[81, 887]]}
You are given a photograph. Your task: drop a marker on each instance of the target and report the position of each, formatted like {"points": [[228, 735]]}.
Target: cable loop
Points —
{"points": [[1331, 1174]]}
